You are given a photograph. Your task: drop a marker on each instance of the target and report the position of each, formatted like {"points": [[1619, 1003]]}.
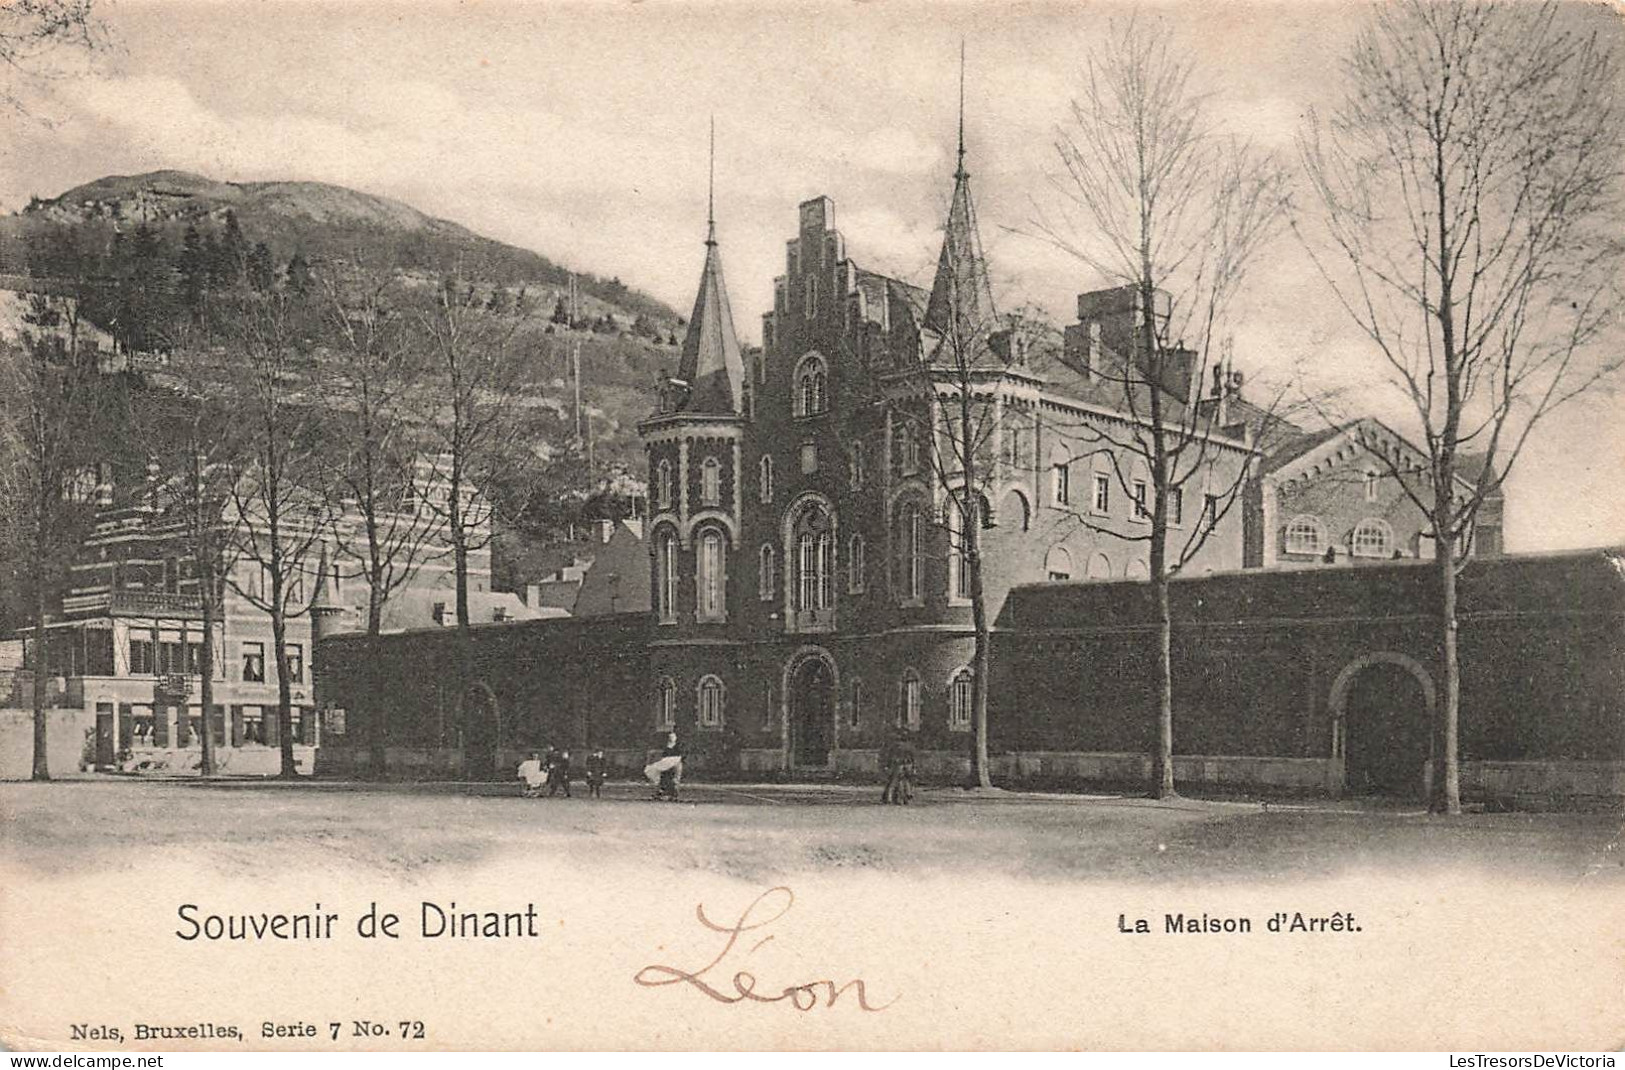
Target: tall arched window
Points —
{"points": [[712, 697], [666, 704], [711, 482], [908, 700], [663, 485], [959, 559], [711, 577], [812, 387], [855, 714], [806, 571], [907, 447], [909, 542], [767, 573], [855, 466], [1305, 535], [854, 564], [766, 478], [1372, 538], [1060, 476], [666, 577], [961, 696], [826, 570]]}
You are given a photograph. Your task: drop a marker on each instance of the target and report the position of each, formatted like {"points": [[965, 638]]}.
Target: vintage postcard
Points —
{"points": [[675, 526]]}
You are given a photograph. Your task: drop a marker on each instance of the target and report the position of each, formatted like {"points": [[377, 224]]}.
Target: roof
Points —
{"points": [[711, 363], [961, 295]]}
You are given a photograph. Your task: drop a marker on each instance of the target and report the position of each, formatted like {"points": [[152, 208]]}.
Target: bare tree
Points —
{"points": [[50, 392], [191, 438], [37, 36], [278, 505], [1153, 197], [1467, 223], [482, 405], [374, 450]]}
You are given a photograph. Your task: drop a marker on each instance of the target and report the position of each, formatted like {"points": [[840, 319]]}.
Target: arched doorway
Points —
{"points": [[482, 733], [811, 696], [1383, 709]]}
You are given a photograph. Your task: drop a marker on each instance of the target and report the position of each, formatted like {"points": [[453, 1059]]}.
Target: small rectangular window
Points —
{"points": [[1103, 494], [1140, 511], [1176, 506], [253, 663], [296, 663]]}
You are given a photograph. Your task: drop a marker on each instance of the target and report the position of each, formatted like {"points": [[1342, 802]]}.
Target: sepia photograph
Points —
{"points": [[672, 526]]}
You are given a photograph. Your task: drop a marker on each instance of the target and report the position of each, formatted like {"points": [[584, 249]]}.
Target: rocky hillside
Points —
{"points": [[315, 220]]}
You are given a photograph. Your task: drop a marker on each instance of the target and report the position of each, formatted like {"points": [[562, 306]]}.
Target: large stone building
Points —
{"points": [[808, 586]]}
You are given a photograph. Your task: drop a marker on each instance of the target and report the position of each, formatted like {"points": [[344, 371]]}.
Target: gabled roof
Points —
{"points": [[711, 362]]}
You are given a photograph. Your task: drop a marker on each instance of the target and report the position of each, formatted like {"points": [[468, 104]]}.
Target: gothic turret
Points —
{"points": [[711, 374], [961, 297]]}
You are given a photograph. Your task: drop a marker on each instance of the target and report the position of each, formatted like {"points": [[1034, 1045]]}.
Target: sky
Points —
{"points": [[580, 130]]}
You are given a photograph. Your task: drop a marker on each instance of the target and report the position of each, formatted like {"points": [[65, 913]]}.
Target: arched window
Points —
{"points": [[961, 696], [712, 697], [1305, 535], [767, 573], [807, 571], [854, 564], [959, 559], [1060, 476], [1372, 538], [666, 577], [711, 577], [663, 485], [711, 482], [1100, 568], [908, 449], [910, 544], [814, 563], [826, 570], [1058, 563], [766, 478], [1015, 440], [855, 466], [908, 700], [1138, 570], [770, 709], [812, 387], [666, 704]]}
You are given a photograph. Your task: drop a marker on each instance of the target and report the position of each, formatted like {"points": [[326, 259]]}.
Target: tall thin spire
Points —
{"points": [[960, 173], [711, 363], [711, 190]]}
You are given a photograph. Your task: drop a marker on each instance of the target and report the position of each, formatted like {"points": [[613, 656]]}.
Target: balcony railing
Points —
{"points": [[155, 604]]}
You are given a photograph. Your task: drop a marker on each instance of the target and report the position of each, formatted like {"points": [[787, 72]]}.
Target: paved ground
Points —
{"points": [[767, 831]]}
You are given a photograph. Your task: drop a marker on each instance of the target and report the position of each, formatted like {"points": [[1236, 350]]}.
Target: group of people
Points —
{"points": [[550, 769]]}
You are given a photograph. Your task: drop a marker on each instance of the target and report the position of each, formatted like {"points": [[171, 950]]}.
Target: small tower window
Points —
{"points": [[767, 573], [765, 478], [710, 578], [711, 482], [663, 485]]}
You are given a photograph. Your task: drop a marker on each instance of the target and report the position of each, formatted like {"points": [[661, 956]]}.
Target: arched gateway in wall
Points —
{"points": [[1382, 708], [810, 690]]}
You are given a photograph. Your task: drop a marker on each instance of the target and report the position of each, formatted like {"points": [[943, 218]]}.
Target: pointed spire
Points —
{"points": [[962, 293], [711, 365], [959, 173], [711, 190]]}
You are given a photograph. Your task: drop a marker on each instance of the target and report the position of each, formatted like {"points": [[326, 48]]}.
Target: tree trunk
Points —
{"points": [[42, 766], [1446, 795], [284, 690], [981, 660], [1162, 766], [377, 730], [206, 664]]}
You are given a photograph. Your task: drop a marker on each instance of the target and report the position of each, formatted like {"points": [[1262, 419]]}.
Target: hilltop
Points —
{"points": [[319, 221]]}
